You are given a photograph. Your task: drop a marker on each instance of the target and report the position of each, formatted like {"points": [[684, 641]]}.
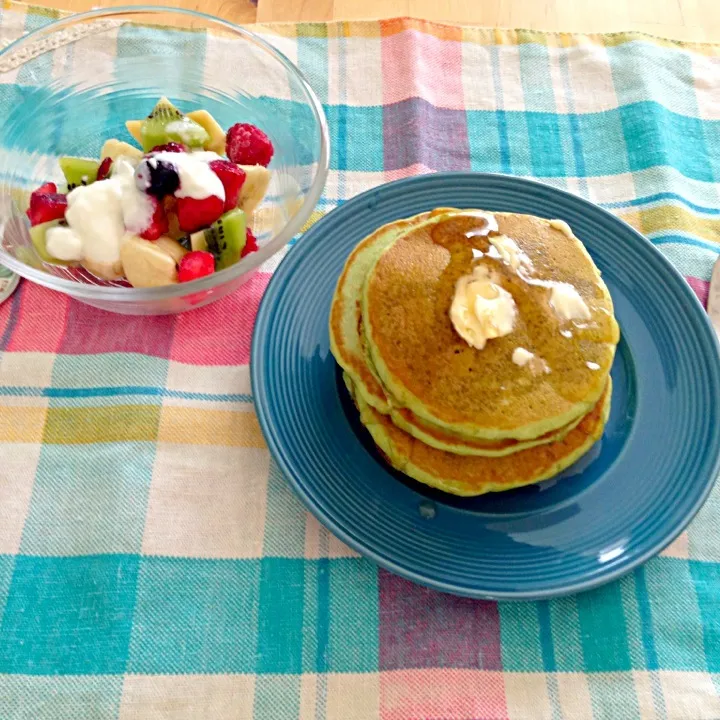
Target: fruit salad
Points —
{"points": [[175, 209]]}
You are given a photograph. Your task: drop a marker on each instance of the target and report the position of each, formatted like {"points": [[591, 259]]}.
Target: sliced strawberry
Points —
{"points": [[104, 169], [193, 215], [46, 189], [232, 177], [46, 206], [250, 243], [158, 225]]}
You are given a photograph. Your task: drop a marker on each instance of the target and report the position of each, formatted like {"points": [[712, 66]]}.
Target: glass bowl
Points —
{"points": [[77, 81]]}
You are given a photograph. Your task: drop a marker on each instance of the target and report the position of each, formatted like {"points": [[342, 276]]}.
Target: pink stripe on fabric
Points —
{"points": [[220, 334], [41, 321], [418, 65], [701, 288], [442, 693], [409, 171]]}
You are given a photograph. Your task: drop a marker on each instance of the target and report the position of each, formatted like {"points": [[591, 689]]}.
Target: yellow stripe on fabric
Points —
{"points": [[22, 424], [116, 423], [674, 217], [193, 426]]}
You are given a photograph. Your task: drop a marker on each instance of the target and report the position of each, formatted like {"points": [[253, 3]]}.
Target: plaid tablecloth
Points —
{"points": [[153, 561]]}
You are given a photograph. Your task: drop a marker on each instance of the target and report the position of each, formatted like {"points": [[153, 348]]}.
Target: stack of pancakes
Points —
{"points": [[462, 419]]}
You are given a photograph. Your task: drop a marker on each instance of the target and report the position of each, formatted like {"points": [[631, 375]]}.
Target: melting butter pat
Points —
{"points": [[481, 310], [506, 249], [521, 356], [565, 300]]}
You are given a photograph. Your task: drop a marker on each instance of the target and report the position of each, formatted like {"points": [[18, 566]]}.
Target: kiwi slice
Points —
{"points": [[167, 124], [78, 171], [225, 238], [38, 235]]}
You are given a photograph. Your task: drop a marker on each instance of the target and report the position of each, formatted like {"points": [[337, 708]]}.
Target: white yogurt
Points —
{"points": [[64, 244], [98, 215]]}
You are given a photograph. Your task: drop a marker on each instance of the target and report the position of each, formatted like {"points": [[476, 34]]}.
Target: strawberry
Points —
{"points": [[158, 224], [248, 145], [193, 215], [250, 243], [104, 169], [195, 265], [46, 204], [171, 147], [232, 177]]}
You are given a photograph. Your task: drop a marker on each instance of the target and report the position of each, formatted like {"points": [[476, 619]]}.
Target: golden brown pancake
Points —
{"points": [[468, 476], [349, 348], [428, 368]]}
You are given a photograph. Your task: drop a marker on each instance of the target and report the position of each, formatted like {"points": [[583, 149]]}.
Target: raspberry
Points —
{"points": [[158, 224], [248, 145], [170, 147], [232, 177], [195, 265], [193, 215], [46, 204], [250, 243], [104, 169], [46, 189]]}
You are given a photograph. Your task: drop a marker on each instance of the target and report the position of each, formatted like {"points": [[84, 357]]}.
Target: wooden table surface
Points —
{"points": [[697, 20]]}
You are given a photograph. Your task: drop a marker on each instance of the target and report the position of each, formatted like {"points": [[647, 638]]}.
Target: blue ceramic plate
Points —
{"points": [[627, 499]]}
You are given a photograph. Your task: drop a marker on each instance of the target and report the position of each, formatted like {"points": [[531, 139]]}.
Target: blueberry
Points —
{"points": [[157, 177]]}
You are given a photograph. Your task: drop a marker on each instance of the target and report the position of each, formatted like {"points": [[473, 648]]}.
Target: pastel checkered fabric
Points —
{"points": [[153, 561]]}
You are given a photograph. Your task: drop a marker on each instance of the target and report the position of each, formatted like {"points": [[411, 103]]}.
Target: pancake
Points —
{"points": [[469, 476], [426, 367], [347, 343]]}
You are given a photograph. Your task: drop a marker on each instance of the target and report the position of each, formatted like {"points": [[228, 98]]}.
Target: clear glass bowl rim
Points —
{"points": [[247, 264]]}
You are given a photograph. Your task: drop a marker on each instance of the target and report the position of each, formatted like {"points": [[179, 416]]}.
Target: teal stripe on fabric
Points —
{"points": [[520, 638], [24, 697], [118, 369], [116, 392], [70, 616], [703, 540], [354, 619], [195, 616], [546, 640], [641, 609], [706, 578], [86, 503], [566, 632], [276, 696], [676, 617], [280, 621], [500, 115], [285, 518], [651, 137], [603, 630], [356, 138], [7, 563], [538, 91], [38, 70], [310, 619], [312, 59]]}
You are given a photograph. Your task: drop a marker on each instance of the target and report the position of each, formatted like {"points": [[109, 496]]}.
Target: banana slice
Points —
{"points": [[146, 265], [114, 148], [257, 179], [213, 129], [171, 247], [104, 270]]}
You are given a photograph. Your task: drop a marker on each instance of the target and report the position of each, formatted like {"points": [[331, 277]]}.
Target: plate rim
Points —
{"points": [[289, 471]]}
